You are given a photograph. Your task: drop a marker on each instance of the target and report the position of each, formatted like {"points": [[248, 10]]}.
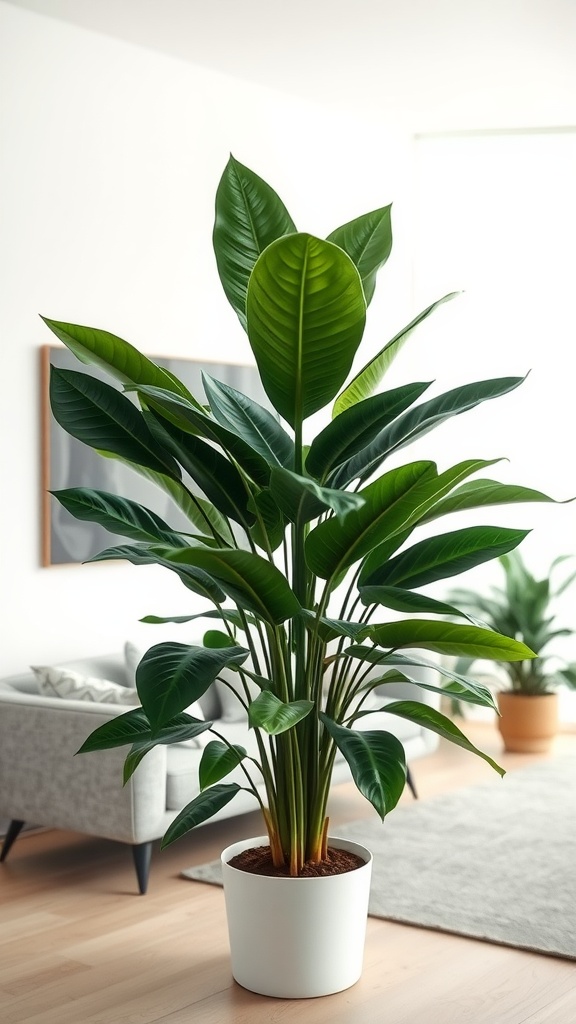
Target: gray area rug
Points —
{"points": [[494, 862]]}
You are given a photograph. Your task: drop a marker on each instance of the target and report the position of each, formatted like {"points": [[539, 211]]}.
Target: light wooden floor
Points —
{"points": [[78, 946]]}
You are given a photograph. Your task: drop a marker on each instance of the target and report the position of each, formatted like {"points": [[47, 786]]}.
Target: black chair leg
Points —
{"points": [[142, 855], [410, 782], [14, 829]]}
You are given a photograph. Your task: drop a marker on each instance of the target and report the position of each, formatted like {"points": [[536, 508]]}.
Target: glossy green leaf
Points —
{"points": [[218, 760], [101, 417], [330, 629], [429, 718], [445, 555], [225, 614], [172, 676], [465, 689], [274, 716], [251, 421], [368, 378], [118, 515], [418, 421], [249, 216], [134, 727], [270, 525], [357, 426], [201, 513], [216, 475], [470, 689], [199, 810], [117, 357], [401, 600], [482, 493], [251, 581], [306, 314], [182, 728], [196, 580], [185, 417], [425, 496], [336, 544], [449, 638], [368, 241], [377, 763], [302, 499]]}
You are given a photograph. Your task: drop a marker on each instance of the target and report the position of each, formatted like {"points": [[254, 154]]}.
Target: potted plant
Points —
{"points": [[522, 608], [303, 549]]}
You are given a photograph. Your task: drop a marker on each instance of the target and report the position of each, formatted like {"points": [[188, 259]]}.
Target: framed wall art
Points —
{"points": [[67, 462]]}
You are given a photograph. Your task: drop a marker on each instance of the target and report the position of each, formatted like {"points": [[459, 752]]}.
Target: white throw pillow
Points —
{"points": [[132, 658], [55, 681]]}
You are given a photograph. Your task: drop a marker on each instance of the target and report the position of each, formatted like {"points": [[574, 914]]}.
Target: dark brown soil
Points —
{"points": [[258, 861]]}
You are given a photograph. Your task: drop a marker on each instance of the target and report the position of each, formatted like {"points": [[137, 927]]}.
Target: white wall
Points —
{"points": [[111, 156]]}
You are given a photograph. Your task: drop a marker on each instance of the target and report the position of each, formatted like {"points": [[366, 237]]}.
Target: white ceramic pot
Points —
{"points": [[294, 938]]}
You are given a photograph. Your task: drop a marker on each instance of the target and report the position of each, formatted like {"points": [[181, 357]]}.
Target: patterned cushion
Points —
{"points": [[57, 681]]}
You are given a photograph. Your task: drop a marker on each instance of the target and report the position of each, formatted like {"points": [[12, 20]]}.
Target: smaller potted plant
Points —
{"points": [[522, 609]]}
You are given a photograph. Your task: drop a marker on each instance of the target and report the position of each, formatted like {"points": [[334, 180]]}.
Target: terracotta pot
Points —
{"points": [[529, 723], [294, 938]]}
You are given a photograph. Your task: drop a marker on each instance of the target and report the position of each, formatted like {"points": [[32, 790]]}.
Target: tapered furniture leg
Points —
{"points": [[142, 855], [14, 829], [410, 782]]}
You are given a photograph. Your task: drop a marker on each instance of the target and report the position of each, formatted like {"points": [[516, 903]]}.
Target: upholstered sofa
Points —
{"points": [[43, 783]]}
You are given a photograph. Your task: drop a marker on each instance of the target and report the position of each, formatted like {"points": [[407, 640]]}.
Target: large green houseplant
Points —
{"points": [[301, 547]]}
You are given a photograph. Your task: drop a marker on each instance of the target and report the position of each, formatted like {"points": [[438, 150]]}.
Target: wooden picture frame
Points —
{"points": [[66, 462]]}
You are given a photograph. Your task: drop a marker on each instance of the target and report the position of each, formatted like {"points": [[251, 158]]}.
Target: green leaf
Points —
{"points": [[177, 731], [448, 638], [198, 510], [465, 689], [134, 727], [357, 426], [481, 493], [336, 544], [429, 718], [377, 762], [185, 417], [460, 686], [118, 515], [117, 732], [172, 676], [201, 809], [271, 714], [302, 499], [368, 242], [196, 580], [251, 581], [218, 760], [330, 629], [99, 416], [418, 421], [249, 216], [225, 614], [216, 475], [117, 357], [269, 529], [368, 378], [445, 555], [424, 497], [258, 427], [306, 314], [401, 600]]}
